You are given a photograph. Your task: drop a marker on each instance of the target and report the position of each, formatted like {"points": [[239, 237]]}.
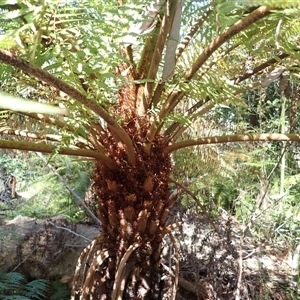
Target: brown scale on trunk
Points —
{"points": [[134, 202], [126, 106]]}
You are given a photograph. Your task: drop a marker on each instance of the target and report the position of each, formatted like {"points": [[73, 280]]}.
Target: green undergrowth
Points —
{"points": [[14, 286], [42, 194]]}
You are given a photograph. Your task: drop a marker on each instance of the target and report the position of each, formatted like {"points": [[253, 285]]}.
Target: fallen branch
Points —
{"points": [[77, 198], [69, 230]]}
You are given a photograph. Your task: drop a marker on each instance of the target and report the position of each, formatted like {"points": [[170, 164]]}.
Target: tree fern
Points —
{"points": [[60, 65]]}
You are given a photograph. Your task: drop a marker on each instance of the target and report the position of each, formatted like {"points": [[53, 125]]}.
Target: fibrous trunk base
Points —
{"points": [[133, 206]]}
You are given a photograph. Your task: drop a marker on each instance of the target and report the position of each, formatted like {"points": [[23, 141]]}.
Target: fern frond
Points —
{"points": [[273, 3], [36, 289], [10, 281], [15, 297]]}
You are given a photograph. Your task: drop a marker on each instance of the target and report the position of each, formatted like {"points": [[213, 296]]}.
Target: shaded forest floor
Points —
{"points": [[218, 257], [233, 263]]}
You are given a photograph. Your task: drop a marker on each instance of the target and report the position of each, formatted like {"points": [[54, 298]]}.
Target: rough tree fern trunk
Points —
{"points": [[133, 206]]}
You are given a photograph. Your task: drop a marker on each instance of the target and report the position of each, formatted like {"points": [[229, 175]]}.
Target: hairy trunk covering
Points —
{"points": [[133, 206]]}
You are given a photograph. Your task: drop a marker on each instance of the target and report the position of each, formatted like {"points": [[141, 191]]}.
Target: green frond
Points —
{"points": [[7, 42], [14, 287], [16, 297], [10, 281], [36, 289], [273, 3]]}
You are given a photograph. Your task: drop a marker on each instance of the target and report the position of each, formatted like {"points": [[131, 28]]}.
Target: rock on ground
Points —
{"points": [[43, 249]]}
